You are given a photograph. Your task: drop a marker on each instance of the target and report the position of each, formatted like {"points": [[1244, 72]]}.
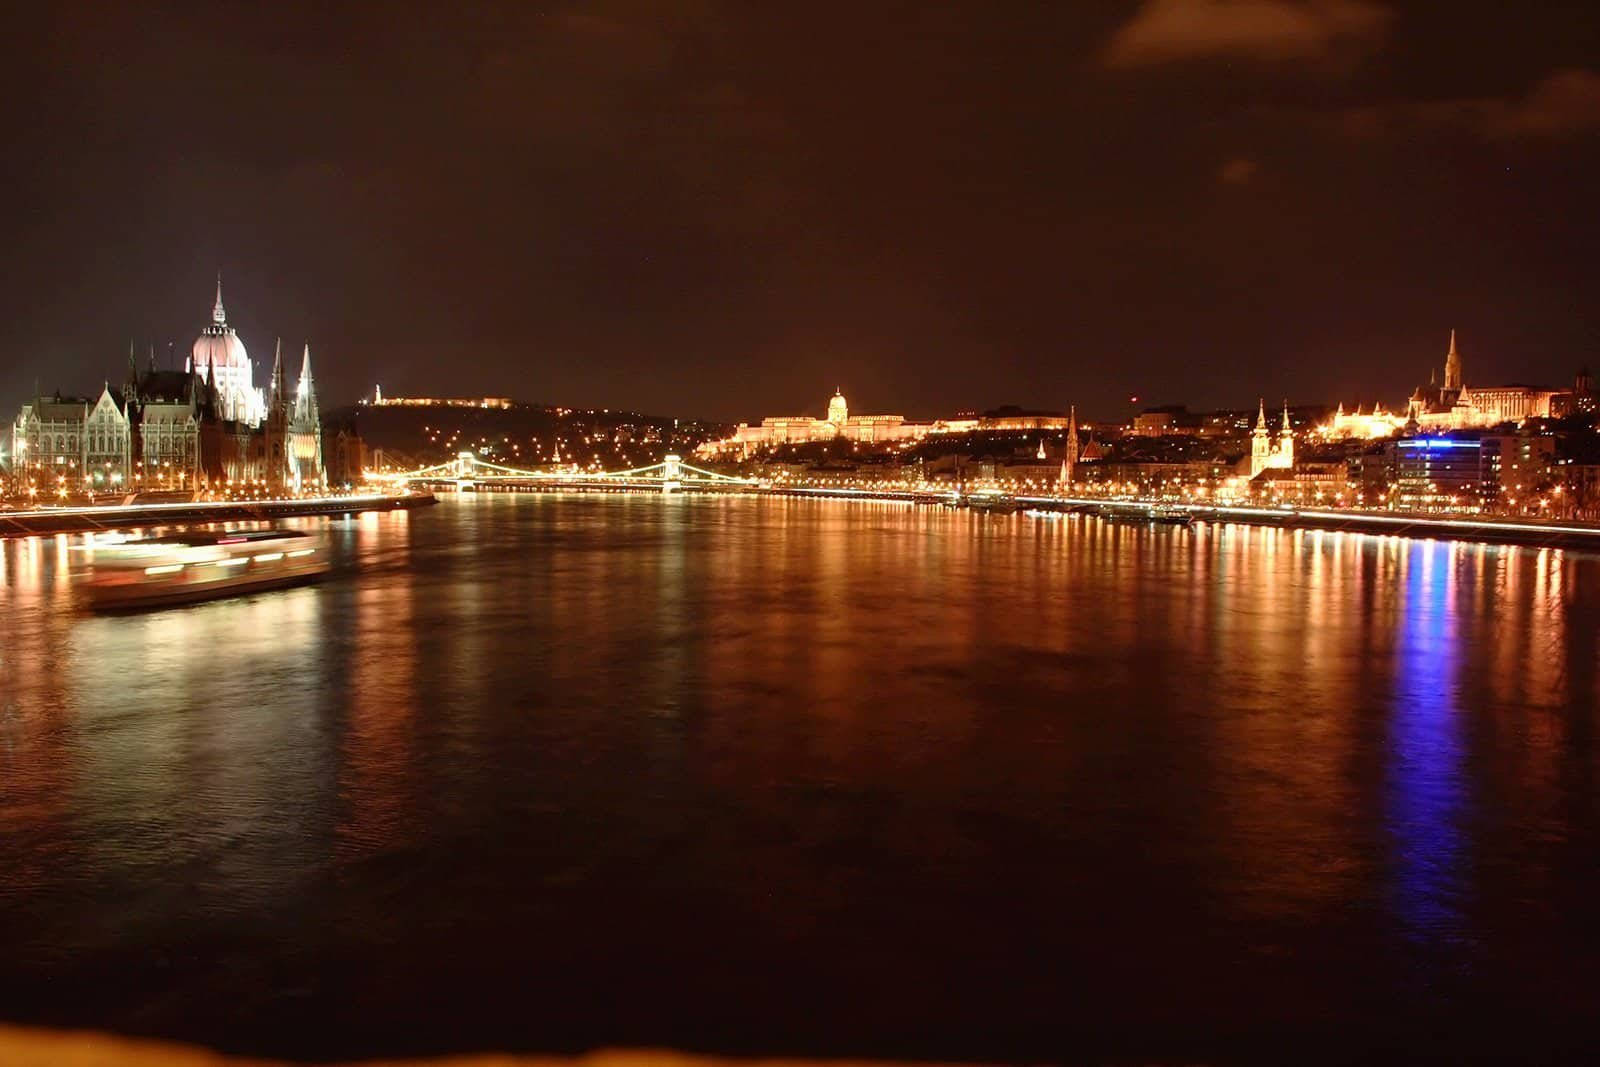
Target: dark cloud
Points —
{"points": [[1562, 104], [1275, 31], [1238, 171]]}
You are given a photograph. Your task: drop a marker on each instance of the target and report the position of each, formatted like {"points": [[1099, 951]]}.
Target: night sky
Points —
{"points": [[723, 209]]}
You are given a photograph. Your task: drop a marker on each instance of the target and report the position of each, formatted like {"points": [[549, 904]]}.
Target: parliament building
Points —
{"points": [[205, 427]]}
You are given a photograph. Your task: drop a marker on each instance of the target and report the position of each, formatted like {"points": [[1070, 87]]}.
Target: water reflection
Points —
{"points": [[856, 746], [378, 779], [1425, 785]]}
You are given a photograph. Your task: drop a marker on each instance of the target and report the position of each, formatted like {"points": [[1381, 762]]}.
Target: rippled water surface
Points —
{"points": [[747, 775]]}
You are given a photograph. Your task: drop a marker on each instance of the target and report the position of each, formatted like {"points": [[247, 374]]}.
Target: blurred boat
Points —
{"points": [[130, 574]]}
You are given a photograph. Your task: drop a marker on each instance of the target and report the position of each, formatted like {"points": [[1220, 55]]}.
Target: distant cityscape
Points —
{"points": [[1451, 447], [209, 431]]}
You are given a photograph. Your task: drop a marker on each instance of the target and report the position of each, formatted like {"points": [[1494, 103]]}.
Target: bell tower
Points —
{"points": [[1452, 367], [1260, 443]]}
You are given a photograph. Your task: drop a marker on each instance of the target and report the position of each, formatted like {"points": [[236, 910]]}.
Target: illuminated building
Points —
{"points": [[1264, 455], [1174, 419], [803, 429], [204, 426], [1521, 464], [1002, 419], [219, 357], [164, 410], [1441, 474], [304, 451], [1366, 426], [1304, 483], [1455, 405], [1581, 399], [50, 438]]}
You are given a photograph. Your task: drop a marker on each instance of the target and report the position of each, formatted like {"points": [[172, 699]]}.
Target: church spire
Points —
{"points": [[130, 387], [305, 432], [305, 395], [1261, 417], [1286, 432], [218, 315], [278, 396], [1452, 365]]}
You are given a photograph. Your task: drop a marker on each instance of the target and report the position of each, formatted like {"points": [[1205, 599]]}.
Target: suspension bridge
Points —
{"points": [[469, 471]]}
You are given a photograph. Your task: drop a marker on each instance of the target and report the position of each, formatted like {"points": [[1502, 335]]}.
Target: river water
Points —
{"points": [[820, 777]]}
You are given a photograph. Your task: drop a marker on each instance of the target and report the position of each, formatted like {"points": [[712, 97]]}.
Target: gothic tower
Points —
{"points": [[1452, 366], [305, 433], [275, 428]]}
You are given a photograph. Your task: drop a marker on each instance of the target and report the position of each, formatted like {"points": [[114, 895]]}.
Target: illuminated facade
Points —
{"points": [[1438, 473], [57, 438], [803, 429], [1368, 426], [1264, 455], [207, 425], [304, 432], [1450, 405], [1458, 406], [219, 357]]}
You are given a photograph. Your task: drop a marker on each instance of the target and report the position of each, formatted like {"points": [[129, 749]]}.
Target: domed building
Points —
{"points": [[219, 352], [206, 427], [838, 410], [801, 429]]}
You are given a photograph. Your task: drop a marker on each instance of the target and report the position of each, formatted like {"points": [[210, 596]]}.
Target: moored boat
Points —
{"points": [[1171, 515], [134, 574], [993, 502]]}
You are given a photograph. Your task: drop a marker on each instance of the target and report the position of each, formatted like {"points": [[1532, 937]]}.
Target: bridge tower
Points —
{"points": [[671, 478], [463, 464]]}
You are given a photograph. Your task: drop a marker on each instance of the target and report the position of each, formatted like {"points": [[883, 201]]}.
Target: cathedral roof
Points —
{"points": [[56, 408], [166, 386]]}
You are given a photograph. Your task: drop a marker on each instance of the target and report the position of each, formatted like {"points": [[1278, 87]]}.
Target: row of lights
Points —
{"points": [[230, 561]]}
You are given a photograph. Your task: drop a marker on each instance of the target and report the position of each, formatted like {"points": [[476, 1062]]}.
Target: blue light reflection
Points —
{"points": [[1424, 783]]}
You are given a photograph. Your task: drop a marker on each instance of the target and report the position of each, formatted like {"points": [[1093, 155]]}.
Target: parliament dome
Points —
{"points": [[217, 344]]}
